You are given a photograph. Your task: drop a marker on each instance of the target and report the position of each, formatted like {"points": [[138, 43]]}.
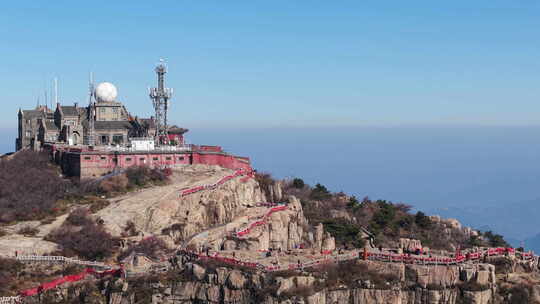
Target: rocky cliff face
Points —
{"points": [[203, 284]]}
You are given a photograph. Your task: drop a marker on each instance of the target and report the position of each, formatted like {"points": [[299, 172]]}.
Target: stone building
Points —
{"points": [[71, 124], [29, 125]]}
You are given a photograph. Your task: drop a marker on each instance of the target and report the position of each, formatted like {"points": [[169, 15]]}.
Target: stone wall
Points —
{"points": [[89, 164]]}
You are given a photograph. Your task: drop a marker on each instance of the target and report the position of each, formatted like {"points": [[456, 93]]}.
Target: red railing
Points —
{"points": [[239, 172], [68, 279], [261, 222]]}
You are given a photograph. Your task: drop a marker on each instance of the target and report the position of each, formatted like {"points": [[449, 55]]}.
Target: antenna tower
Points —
{"points": [[91, 112], [45, 96], [160, 99], [55, 90]]}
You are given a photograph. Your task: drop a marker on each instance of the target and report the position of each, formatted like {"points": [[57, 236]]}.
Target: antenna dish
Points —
{"points": [[105, 92]]}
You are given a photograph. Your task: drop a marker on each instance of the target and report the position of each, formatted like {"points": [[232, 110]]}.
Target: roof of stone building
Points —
{"points": [[82, 111], [33, 113], [177, 130], [109, 104], [70, 110], [149, 123], [50, 125], [112, 125]]}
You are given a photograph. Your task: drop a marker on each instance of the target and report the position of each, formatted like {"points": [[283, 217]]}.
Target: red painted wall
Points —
{"points": [[223, 160], [107, 161], [92, 164]]}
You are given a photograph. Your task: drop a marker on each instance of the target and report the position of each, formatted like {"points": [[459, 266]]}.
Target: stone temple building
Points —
{"points": [[70, 124]]}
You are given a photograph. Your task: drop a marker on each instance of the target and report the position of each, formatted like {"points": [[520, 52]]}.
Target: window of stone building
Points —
{"points": [[87, 158], [155, 158], [142, 159], [168, 158], [102, 110], [103, 158], [181, 158], [128, 159], [118, 138], [105, 139]]}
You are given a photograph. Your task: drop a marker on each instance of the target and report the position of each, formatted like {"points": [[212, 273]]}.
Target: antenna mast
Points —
{"points": [[160, 100], [91, 112], [51, 89], [45, 95], [55, 90]]}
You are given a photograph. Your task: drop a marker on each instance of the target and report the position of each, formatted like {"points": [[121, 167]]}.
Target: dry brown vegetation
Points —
{"points": [[32, 188], [16, 276], [9, 270], [82, 236], [266, 181], [28, 231], [151, 247], [352, 273], [134, 178], [29, 187]]}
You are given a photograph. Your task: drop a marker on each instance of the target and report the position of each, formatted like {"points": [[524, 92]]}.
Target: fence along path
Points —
{"points": [[10, 300], [240, 172], [368, 254], [261, 221], [40, 258], [371, 255], [357, 254], [53, 284]]}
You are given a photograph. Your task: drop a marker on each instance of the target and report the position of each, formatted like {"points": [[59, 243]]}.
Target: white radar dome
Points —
{"points": [[105, 92]]}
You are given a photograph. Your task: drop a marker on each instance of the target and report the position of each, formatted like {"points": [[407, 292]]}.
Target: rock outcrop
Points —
{"points": [[224, 285], [409, 244], [159, 208]]}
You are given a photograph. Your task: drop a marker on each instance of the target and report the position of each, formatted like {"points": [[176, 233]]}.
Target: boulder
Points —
{"points": [[435, 218], [236, 280], [409, 244], [198, 271], [478, 297], [222, 274], [441, 276], [229, 245], [319, 231], [453, 223], [329, 243]]}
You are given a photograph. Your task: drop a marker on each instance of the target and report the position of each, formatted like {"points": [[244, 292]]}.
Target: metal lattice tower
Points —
{"points": [[91, 112], [160, 99]]}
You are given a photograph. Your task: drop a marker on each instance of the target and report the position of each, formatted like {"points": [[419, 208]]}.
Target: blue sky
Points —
{"points": [[283, 63]]}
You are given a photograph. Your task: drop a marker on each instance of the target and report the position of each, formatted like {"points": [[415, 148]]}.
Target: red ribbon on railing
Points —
{"points": [[261, 222], [66, 279], [238, 172]]}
